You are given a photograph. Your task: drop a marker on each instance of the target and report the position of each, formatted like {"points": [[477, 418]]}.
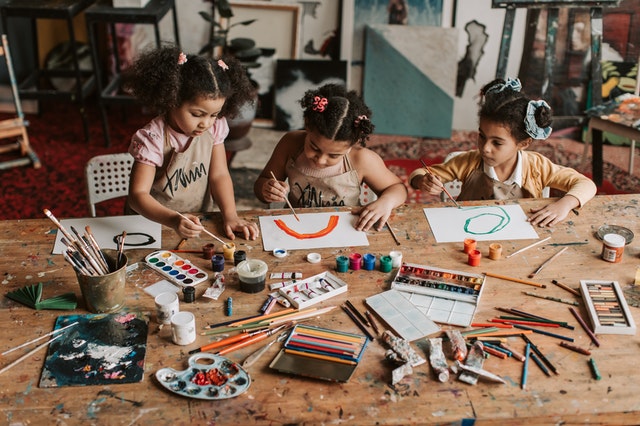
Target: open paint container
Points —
{"points": [[252, 274]]}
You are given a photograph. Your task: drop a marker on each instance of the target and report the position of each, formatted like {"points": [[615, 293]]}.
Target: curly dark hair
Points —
{"points": [[502, 104], [158, 81], [345, 117]]}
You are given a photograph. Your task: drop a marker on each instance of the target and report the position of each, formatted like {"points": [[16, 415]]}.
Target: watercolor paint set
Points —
{"points": [[320, 353], [446, 296], [607, 307], [312, 290], [178, 270]]}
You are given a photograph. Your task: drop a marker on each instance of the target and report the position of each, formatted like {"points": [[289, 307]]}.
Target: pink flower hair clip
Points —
{"points": [[359, 119], [223, 65], [182, 59], [319, 104]]}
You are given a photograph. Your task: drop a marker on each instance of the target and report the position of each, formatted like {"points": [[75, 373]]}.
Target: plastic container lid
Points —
{"points": [[614, 240], [314, 257]]}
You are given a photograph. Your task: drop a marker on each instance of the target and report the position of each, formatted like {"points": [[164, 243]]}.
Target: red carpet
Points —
{"points": [[57, 137]]}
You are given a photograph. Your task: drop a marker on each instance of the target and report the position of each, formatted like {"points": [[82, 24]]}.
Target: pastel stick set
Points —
{"points": [[178, 270], [607, 307]]}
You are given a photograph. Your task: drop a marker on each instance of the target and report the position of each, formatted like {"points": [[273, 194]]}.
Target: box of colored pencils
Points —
{"points": [[607, 307], [312, 290], [320, 353], [445, 296]]}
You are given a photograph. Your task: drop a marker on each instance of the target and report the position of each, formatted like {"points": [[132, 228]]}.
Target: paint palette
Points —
{"points": [[607, 307], [444, 295], [175, 268], [219, 378]]}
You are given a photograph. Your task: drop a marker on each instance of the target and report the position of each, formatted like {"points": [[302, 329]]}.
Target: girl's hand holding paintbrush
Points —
{"points": [[275, 191], [429, 183]]}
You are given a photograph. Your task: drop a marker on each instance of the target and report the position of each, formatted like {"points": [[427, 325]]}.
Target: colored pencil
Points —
{"points": [[515, 354], [259, 318], [546, 262], [584, 325], [515, 280], [222, 342], [566, 287], [287, 200], [524, 322], [28, 354], [373, 322], [554, 299], [546, 333], [322, 357], [360, 325], [443, 187], [527, 247], [540, 354], [257, 337], [525, 366], [540, 364], [358, 313], [297, 316], [532, 319]]}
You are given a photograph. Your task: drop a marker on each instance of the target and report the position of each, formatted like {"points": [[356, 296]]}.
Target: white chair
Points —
{"points": [[107, 177]]}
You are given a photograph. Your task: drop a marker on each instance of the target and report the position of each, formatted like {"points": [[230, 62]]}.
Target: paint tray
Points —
{"points": [[31, 296], [178, 270], [312, 290], [446, 296], [320, 361], [607, 307]]}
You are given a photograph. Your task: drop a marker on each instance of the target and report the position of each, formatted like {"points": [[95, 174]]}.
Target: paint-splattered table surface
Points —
{"points": [[571, 397]]}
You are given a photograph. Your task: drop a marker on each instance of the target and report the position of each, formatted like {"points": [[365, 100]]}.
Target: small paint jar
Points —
{"points": [[228, 250], [189, 294], [342, 263], [252, 274], [474, 258], [239, 256], [613, 247], [208, 250], [469, 245], [217, 263], [385, 263], [495, 251], [355, 261], [369, 262], [396, 258]]}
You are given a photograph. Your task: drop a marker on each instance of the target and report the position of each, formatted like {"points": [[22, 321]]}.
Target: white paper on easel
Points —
{"points": [[141, 232], [482, 223], [343, 235]]}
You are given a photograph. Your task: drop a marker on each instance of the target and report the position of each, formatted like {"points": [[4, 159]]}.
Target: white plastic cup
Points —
{"points": [[183, 328], [167, 305], [396, 258]]}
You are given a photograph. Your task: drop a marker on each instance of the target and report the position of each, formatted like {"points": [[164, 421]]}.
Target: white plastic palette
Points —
{"points": [[175, 268]]}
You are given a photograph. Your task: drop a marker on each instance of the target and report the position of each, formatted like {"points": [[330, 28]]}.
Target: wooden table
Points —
{"points": [[572, 396]]}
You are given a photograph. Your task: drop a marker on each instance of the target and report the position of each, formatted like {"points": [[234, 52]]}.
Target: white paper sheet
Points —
{"points": [[482, 223], [344, 234], [141, 232]]}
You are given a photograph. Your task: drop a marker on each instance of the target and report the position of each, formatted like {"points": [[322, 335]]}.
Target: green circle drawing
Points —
{"points": [[503, 222]]}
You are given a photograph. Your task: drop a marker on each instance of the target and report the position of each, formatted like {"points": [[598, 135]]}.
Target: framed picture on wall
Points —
{"points": [[320, 29]]}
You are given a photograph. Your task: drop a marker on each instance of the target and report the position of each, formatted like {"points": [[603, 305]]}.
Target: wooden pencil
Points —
{"points": [[515, 280]]}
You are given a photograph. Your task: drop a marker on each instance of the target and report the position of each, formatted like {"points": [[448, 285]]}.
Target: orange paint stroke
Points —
{"points": [[333, 222]]}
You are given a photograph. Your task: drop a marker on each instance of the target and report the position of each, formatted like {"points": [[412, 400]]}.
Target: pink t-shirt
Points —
{"points": [[147, 144]]}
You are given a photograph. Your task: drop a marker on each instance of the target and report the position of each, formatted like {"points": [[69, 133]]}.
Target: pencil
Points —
{"points": [[358, 313], [534, 273], [443, 187], [540, 364], [584, 325], [527, 247], [546, 333], [322, 357], [287, 200], [540, 354], [575, 348], [372, 321], [360, 325], [393, 234], [566, 287], [525, 366], [515, 280], [555, 299]]}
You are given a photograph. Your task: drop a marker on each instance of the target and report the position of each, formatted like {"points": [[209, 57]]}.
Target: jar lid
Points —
{"points": [[314, 257], [614, 240], [279, 252]]}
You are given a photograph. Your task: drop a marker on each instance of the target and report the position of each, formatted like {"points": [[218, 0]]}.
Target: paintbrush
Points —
{"points": [[393, 234], [204, 230], [95, 245], [59, 225], [287, 200], [38, 338], [528, 247], [120, 250], [534, 273], [443, 187]]}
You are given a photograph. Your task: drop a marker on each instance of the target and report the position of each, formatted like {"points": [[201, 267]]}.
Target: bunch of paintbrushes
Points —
{"points": [[83, 251]]}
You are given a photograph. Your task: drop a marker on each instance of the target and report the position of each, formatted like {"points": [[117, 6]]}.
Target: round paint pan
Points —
{"points": [[615, 229]]}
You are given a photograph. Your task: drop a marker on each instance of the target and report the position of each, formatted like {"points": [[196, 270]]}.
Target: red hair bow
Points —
{"points": [[319, 103]]}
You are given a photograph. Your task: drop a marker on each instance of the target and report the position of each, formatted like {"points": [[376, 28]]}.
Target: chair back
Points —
{"points": [[107, 177]]}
